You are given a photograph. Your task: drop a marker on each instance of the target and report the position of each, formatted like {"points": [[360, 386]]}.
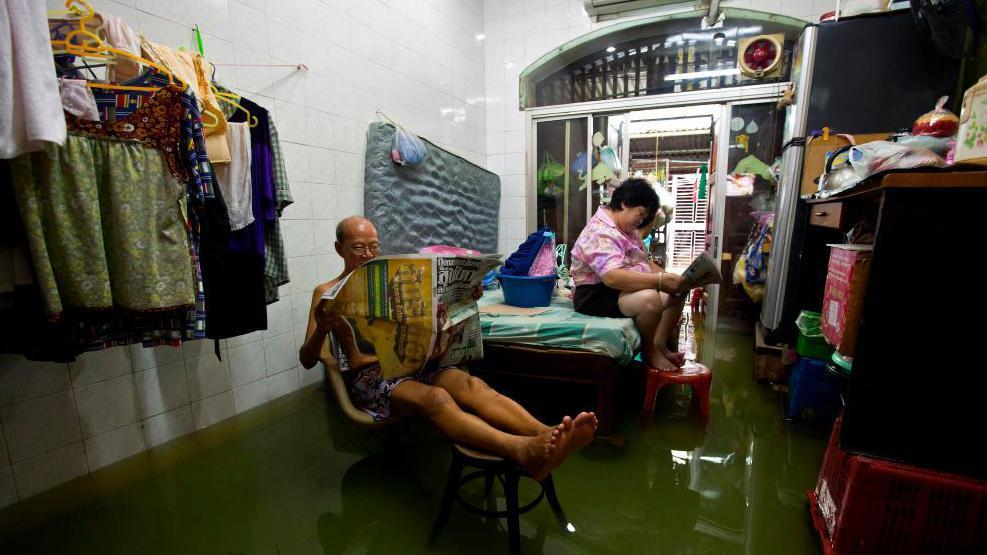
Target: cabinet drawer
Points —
{"points": [[829, 214]]}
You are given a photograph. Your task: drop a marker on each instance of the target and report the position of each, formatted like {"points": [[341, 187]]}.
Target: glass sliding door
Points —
{"points": [[562, 176], [744, 218], [609, 146], [578, 162]]}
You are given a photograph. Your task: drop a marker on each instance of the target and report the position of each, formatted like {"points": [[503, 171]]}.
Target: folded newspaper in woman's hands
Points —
{"points": [[702, 271]]}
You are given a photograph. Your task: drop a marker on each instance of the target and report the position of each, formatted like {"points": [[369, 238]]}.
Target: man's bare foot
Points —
{"points": [[583, 430], [573, 435], [659, 361], [676, 358], [535, 452]]}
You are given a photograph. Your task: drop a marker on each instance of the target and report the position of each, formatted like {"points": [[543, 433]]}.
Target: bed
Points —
{"points": [[559, 345]]}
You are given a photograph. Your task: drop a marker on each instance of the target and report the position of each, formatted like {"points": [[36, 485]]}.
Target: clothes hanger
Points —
{"points": [[92, 46], [231, 99], [73, 10]]}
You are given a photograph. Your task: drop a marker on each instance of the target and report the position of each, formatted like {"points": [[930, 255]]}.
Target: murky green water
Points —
{"points": [[308, 482]]}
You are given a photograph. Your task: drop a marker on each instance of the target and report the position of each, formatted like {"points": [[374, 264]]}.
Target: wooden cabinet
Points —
{"points": [[829, 215], [918, 382]]}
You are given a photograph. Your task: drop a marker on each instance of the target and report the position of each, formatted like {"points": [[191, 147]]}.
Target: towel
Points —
{"points": [[30, 104]]}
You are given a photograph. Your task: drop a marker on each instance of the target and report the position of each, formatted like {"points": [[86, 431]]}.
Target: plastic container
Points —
{"points": [[527, 292], [811, 341], [846, 365], [863, 505], [813, 392]]}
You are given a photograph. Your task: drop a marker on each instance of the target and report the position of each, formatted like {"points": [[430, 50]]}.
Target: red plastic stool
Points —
{"points": [[692, 374]]}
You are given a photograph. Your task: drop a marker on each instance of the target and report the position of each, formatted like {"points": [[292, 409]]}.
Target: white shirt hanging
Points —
{"points": [[234, 178], [30, 104]]}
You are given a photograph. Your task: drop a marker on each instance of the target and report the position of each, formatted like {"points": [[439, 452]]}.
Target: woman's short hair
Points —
{"points": [[635, 192]]}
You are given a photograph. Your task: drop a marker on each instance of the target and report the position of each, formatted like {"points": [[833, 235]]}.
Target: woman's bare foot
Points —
{"points": [[676, 358], [659, 361]]}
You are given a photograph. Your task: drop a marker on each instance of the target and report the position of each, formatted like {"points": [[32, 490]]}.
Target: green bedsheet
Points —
{"points": [[562, 328]]}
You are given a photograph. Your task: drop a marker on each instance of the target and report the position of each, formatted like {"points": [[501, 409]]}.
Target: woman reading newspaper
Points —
{"points": [[462, 407], [615, 278]]}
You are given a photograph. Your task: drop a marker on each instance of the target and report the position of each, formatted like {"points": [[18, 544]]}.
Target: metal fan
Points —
{"points": [[760, 56]]}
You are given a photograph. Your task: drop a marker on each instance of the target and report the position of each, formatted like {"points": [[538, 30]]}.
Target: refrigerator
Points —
{"points": [[867, 74]]}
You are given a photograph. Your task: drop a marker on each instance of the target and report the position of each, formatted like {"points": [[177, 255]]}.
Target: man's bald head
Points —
{"points": [[356, 241], [351, 226]]}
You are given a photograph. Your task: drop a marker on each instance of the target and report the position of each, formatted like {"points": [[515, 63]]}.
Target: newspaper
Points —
{"points": [[702, 271], [403, 311]]}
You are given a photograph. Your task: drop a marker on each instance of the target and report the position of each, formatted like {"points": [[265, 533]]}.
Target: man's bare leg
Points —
{"points": [[533, 453], [501, 412], [645, 306]]}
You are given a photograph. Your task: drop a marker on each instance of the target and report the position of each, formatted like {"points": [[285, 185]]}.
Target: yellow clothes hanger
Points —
{"points": [[92, 46], [232, 100]]}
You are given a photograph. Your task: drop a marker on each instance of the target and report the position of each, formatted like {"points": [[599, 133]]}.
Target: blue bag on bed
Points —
{"points": [[519, 263]]}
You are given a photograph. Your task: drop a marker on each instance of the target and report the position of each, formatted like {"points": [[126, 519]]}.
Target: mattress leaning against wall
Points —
{"points": [[444, 201]]}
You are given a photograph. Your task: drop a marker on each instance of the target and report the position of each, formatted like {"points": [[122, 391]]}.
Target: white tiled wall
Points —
{"points": [[418, 60], [518, 32]]}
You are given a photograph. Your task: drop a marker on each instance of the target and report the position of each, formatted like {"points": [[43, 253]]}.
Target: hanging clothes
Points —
{"points": [[104, 221], [30, 109], [191, 68], [276, 260], [229, 280], [240, 302], [119, 35], [234, 178], [77, 98]]}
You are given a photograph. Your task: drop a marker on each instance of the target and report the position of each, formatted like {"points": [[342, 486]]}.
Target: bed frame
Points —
{"points": [[561, 365]]}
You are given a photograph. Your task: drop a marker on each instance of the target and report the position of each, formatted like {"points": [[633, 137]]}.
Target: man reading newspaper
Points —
{"points": [[398, 325]]}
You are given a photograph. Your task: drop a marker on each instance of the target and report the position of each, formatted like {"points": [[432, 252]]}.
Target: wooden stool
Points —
{"points": [[695, 375], [489, 467]]}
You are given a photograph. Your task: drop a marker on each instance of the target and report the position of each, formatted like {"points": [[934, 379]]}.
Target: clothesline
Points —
{"points": [[299, 66]]}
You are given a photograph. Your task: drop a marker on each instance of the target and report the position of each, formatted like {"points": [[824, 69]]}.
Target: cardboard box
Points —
{"points": [[843, 300], [816, 152]]}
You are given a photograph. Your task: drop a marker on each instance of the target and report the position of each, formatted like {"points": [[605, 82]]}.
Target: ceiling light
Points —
{"points": [[480, 36], [611, 48]]}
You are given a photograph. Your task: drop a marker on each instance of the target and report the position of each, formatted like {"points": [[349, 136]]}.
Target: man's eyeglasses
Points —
{"points": [[360, 250]]}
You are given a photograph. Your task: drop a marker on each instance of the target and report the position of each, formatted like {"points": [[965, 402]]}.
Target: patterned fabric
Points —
{"points": [[157, 124], [199, 191], [602, 247], [367, 388], [561, 327], [192, 160], [105, 227], [276, 260]]}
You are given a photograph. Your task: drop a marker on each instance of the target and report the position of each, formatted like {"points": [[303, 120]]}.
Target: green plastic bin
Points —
{"points": [[811, 342]]}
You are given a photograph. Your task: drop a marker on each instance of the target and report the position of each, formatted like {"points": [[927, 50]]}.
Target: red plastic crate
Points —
{"points": [[868, 506]]}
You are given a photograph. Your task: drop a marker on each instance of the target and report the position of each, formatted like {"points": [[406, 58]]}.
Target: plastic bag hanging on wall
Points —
{"points": [[406, 148]]}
